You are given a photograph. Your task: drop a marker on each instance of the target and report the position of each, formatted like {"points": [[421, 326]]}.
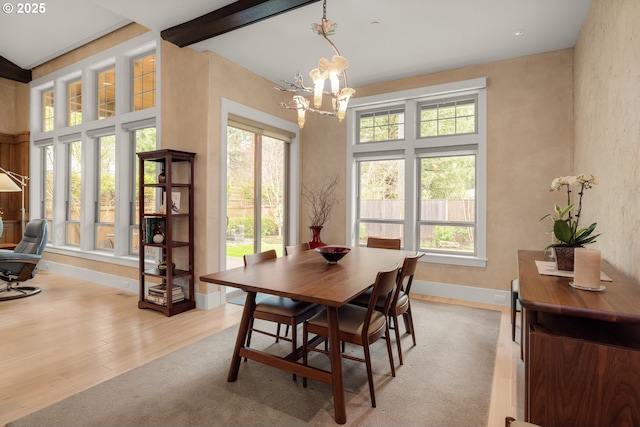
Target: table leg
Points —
{"points": [[241, 339], [336, 366]]}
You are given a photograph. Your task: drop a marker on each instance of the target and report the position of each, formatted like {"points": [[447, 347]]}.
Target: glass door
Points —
{"points": [[255, 193]]}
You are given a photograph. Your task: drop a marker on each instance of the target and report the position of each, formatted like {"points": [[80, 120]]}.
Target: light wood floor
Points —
{"points": [[75, 334]]}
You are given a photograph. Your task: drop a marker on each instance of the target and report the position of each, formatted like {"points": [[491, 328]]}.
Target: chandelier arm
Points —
{"points": [[311, 109]]}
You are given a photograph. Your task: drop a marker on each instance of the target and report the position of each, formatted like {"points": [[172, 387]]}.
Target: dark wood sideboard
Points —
{"points": [[582, 349]]}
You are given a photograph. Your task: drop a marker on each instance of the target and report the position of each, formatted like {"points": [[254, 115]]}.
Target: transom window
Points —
{"points": [[47, 111], [448, 118], [144, 82], [384, 125], [74, 100], [424, 179], [106, 93]]}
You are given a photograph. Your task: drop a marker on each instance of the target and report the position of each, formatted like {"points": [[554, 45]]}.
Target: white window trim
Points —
{"points": [[411, 145], [230, 107], [120, 56]]}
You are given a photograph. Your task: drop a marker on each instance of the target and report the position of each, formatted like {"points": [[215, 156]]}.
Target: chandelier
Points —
{"points": [[334, 71]]}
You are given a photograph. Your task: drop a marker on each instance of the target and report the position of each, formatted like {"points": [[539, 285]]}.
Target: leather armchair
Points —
{"points": [[20, 264]]}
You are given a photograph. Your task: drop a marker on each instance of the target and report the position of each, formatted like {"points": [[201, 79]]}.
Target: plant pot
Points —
{"points": [[564, 258]]}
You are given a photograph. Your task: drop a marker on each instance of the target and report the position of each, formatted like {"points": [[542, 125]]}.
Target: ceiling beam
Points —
{"points": [[228, 18], [11, 71]]}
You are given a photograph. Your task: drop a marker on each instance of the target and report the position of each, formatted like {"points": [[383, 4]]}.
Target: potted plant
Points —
{"points": [[567, 230], [321, 199]]}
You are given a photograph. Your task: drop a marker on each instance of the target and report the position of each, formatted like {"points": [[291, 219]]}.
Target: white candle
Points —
{"points": [[586, 267]]}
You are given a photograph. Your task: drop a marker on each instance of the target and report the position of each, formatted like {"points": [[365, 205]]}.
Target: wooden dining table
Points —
{"points": [[306, 277]]}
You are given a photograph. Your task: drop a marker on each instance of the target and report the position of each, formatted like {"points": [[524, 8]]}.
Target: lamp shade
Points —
{"points": [[8, 185]]}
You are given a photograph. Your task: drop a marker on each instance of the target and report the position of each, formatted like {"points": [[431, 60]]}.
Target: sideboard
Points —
{"points": [[582, 349]]}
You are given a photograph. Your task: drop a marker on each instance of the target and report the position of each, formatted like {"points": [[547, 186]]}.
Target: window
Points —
{"points": [[380, 199], [74, 100], [431, 148], [446, 211], [47, 202], [448, 118], [106, 93], [144, 82], [47, 110], [144, 140], [385, 125], [257, 168], [88, 165], [74, 193], [106, 192]]}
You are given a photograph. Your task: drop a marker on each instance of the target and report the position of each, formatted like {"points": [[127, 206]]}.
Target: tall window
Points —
{"points": [[144, 82], [90, 201], [74, 193], [380, 199], [47, 202], [446, 213], [106, 193], [74, 102], [144, 140], [47, 110], [430, 147], [257, 171], [106, 93]]}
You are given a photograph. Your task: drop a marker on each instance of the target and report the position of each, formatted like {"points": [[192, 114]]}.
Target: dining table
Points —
{"points": [[306, 276]]}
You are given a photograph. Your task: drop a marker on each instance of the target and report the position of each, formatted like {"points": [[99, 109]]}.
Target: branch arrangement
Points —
{"points": [[321, 198]]}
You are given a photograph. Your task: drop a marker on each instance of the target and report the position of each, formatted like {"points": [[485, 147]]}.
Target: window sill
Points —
{"points": [[466, 261], [99, 256]]}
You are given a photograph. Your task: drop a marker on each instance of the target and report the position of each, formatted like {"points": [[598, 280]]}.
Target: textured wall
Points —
{"points": [[530, 142], [607, 126]]}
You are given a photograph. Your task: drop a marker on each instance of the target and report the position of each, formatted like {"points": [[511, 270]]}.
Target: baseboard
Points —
{"points": [[215, 299], [463, 293], [204, 302]]}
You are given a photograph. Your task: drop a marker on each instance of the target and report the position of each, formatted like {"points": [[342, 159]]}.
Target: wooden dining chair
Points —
{"points": [[296, 249], [358, 325], [383, 243], [400, 302], [277, 309]]}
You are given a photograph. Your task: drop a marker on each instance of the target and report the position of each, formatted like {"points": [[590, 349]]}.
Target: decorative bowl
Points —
{"points": [[333, 253]]}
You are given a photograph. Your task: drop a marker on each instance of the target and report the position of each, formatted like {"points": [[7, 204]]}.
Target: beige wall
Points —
{"points": [[607, 126], [530, 142], [14, 107], [530, 139]]}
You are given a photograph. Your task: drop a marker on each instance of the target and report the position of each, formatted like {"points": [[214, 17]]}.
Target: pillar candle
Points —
{"points": [[587, 267]]}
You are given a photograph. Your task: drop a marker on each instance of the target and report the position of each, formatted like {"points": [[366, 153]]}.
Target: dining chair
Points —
{"points": [[400, 302], [277, 309], [358, 325], [296, 249], [383, 243]]}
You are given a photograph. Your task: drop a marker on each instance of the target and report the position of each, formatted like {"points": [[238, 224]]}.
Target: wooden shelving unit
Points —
{"points": [[176, 229]]}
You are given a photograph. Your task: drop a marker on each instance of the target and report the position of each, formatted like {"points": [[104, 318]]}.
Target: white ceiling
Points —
{"points": [[383, 39]]}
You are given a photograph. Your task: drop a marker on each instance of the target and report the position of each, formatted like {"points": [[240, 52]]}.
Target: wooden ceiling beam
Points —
{"points": [[228, 18], [11, 71]]}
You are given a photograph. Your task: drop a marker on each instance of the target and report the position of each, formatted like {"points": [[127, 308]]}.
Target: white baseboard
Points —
{"points": [[463, 293], [215, 299], [205, 302]]}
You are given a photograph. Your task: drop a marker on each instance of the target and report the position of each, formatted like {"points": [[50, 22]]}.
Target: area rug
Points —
{"points": [[445, 381]]}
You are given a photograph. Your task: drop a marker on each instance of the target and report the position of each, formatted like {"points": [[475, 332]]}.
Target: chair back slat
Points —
{"points": [[383, 287], [296, 249], [250, 259], [383, 243]]}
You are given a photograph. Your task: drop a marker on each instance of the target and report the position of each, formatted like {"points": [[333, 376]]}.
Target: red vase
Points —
{"points": [[316, 241]]}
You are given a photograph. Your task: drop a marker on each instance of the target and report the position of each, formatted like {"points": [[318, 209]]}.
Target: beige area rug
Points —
{"points": [[445, 381]]}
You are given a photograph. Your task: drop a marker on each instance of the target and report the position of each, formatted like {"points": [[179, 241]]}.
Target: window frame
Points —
{"points": [[411, 149], [88, 69]]}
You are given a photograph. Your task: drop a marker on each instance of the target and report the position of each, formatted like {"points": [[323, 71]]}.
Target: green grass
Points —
{"points": [[237, 251]]}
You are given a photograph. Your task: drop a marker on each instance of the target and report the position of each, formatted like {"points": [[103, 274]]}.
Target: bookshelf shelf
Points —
{"points": [[167, 227]]}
